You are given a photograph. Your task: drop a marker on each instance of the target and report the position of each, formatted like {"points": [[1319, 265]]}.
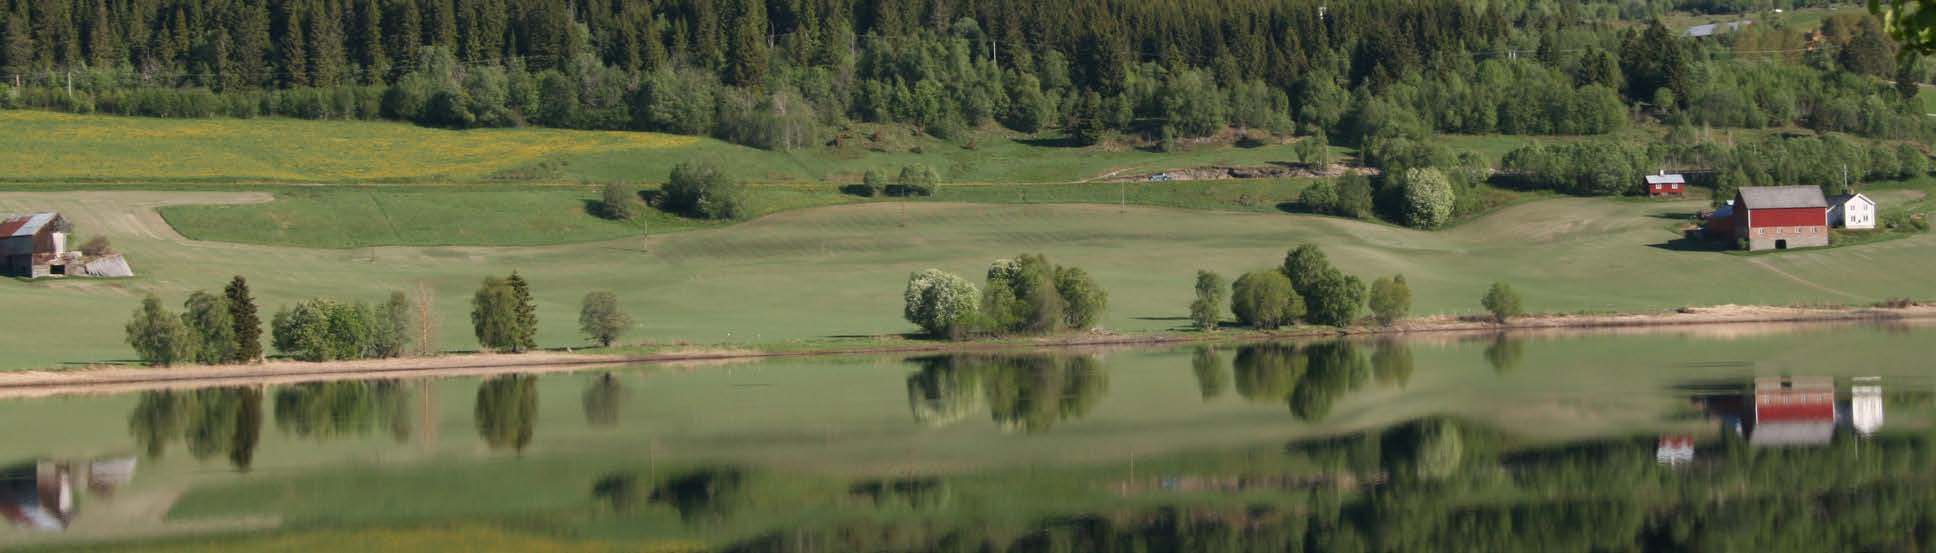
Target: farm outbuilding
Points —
{"points": [[33, 246], [1852, 211], [1665, 184], [1774, 218]]}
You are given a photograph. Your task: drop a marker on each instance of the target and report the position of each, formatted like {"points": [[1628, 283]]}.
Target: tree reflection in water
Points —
{"points": [[1211, 377], [702, 496], [1439, 484], [507, 411], [603, 399], [1504, 353], [327, 410], [1029, 392], [212, 422], [1311, 378]]}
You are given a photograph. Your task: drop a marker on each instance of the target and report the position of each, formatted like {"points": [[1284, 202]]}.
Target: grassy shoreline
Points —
{"points": [[106, 379]]}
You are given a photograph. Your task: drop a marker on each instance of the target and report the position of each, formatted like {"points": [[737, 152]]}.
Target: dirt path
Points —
{"points": [[1799, 280]]}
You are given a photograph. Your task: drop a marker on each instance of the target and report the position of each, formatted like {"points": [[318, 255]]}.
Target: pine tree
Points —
{"points": [[248, 326], [100, 36], [527, 313], [747, 59], [326, 58], [16, 44], [442, 28], [249, 55], [369, 42], [294, 50], [404, 30]]}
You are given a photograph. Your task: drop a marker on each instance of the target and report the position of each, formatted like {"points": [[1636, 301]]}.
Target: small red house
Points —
{"points": [[1664, 184], [1774, 218]]}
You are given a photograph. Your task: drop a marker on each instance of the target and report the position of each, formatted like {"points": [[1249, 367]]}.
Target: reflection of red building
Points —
{"points": [[38, 495], [1793, 412], [1675, 449]]}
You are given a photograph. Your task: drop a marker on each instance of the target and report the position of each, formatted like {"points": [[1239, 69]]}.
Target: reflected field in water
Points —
{"points": [[1807, 439]]}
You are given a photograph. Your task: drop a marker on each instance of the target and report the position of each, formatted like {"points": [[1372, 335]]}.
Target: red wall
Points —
{"points": [[1789, 217]]}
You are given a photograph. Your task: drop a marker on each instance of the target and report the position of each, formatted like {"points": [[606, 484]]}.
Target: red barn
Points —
{"points": [[1780, 217], [1664, 184]]}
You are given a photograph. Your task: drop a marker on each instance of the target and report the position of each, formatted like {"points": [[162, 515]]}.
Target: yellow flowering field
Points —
{"points": [[36, 145]]}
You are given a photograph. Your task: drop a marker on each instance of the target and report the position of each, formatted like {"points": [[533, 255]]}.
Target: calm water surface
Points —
{"points": [[1732, 439]]}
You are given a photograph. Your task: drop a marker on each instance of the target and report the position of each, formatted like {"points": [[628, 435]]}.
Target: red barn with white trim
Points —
{"points": [[1780, 217]]}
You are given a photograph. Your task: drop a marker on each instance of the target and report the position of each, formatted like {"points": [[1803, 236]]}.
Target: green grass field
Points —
{"points": [[408, 215], [816, 274], [54, 147]]}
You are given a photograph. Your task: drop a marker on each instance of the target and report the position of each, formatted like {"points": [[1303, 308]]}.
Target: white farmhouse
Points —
{"points": [[1852, 211]]}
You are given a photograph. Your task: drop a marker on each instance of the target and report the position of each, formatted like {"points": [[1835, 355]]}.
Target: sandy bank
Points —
{"points": [[1718, 322]]}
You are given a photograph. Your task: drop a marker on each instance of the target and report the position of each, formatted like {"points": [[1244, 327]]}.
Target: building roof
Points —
{"points": [[1781, 197], [1840, 199], [26, 225], [1666, 179]]}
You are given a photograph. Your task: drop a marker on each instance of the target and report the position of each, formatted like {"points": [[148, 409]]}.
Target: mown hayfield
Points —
{"points": [[362, 216], [405, 215], [40, 146], [838, 271]]}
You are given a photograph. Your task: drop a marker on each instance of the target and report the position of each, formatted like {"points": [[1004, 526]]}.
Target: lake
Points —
{"points": [[1735, 438]]}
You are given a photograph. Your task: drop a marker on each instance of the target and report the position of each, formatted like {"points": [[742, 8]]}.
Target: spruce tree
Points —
{"points": [[527, 313], [249, 54], [369, 42], [747, 59], [293, 47], [326, 59], [248, 326]]}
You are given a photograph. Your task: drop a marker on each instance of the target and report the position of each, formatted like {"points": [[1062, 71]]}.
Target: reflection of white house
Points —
{"points": [[1865, 408], [1852, 211], [1675, 450]]}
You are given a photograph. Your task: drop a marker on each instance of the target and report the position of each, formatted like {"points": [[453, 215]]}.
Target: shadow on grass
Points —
{"points": [[1690, 244], [1051, 142], [910, 336], [1675, 215], [858, 190]]}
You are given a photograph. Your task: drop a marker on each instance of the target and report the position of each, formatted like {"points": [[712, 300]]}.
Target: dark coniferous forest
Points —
{"points": [[780, 74]]}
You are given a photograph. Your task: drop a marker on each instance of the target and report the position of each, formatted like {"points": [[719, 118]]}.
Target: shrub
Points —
{"points": [[208, 317], [394, 322], [1314, 151], [601, 319], [1391, 299], [1211, 290], [1428, 198], [97, 246], [701, 190], [325, 330], [159, 337], [919, 180], [617, 201], [937, 301], [1083, 300], [873, 183], [502, 316], [1321, 197], [1334, 298], [1265, 300], [1501, 301]]}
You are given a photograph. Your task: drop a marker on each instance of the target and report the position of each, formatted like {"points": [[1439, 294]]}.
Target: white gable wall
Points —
{"points": [[1858, 212]]}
